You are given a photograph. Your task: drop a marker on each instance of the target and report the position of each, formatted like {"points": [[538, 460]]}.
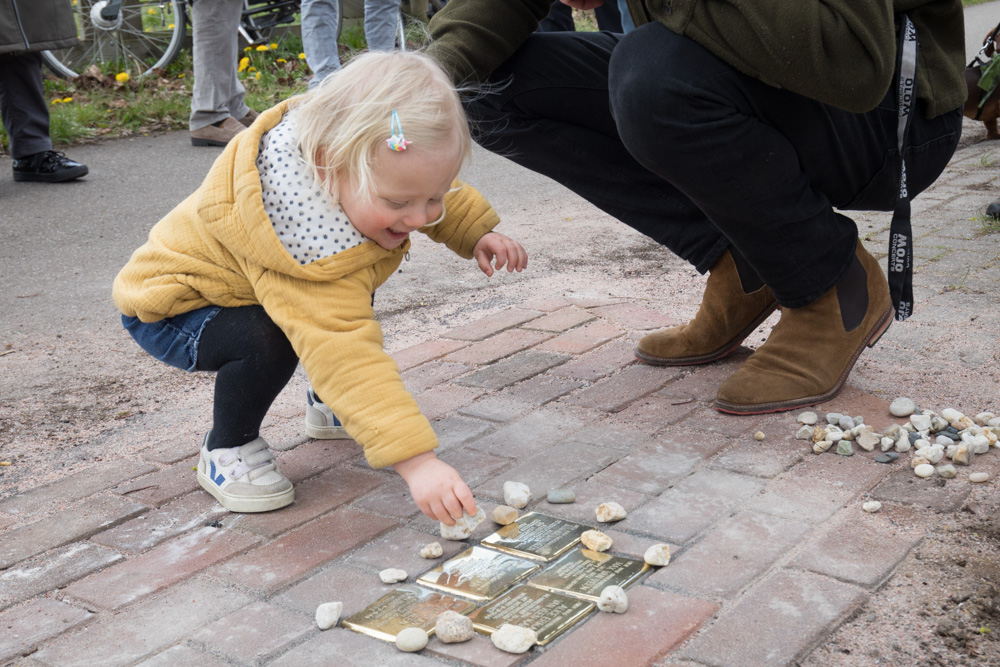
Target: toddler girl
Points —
{"points": [[275, 260]]}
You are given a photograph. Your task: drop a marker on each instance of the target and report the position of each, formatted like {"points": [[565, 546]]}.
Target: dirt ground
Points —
{"points": [[71, 399]]}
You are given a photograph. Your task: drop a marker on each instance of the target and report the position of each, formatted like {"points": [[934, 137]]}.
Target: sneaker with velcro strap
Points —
{"points": [[321, 423], [244, 479]]}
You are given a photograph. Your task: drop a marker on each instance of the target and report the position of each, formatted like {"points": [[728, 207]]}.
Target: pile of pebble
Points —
{"points": [[929, 436]]}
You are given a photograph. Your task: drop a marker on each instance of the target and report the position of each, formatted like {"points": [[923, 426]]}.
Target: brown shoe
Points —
{"points": [[210, 135], [248, 120], [727, 316], [812, 349]]}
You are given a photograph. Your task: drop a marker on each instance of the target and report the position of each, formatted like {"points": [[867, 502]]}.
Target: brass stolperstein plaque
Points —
{"points": [[545, 612], [584, 573], [537, 536], [404, 607], [478, 573]]}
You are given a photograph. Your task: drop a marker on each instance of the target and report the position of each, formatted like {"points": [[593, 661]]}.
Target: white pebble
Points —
{"points": [[432, 550], [411, 639], [657, 555], [759, 435], [979, 477], [804, 433], [463, 527], [595, 540], [902, 407], [613, 599], [504, 515], [607, 512], [872, 506], [809, 418], [920, 422], [516, 494], [328, 613], [453, 628], [392, 575], [514, 638], [924, 470]]}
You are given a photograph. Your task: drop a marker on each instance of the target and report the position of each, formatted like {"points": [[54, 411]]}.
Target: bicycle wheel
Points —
{"points": [[146, 35]]}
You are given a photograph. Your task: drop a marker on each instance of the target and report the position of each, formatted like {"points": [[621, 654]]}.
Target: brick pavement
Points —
{"points": [[134, 564]]}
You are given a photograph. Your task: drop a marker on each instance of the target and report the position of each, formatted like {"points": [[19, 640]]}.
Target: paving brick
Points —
{"points": [[633, 315], [283, 434], [709, 420], [146, 531], [605, 434], [731, 555], [651, 468], [255, 633], [545, 304], [561, 320], [477, 651], [311, 458], [492, 324], [356, 589], [29, 625], [497, 347], [496, 408], [860, 548], [819, 486], [589, 495], [658, 412], [593, 302], [702, 382], [159, 568], [183, 656], [692, 505], [777, 622], [599, 363], [6, 521], [39, 500], [442, 400], [313, 498], [774, 455], [527, 436], [400, 548], [344, 648], [853, 401], [67, 526], [542, 389], [631, 383], [474, 466], [114, 640], [162, 486], [513, 369], [456, 430], [581, 339], [635, 546], [902, 486], [284, 561], [424, 352], [51, 570], [422, 378], [176, 447], [667, 620], [555, 466]]}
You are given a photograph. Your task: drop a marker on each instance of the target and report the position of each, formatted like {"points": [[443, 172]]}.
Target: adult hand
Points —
{"points": [[436, 487], [504, 249]]}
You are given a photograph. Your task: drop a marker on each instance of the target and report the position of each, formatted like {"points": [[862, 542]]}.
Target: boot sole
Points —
{"points": [[326, 432], [208, 142], [60, 177], [244, 504], [782, 406], [714, 355]]}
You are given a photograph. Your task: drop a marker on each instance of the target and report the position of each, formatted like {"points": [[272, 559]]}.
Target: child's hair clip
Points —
{"points": [[396, 140]]}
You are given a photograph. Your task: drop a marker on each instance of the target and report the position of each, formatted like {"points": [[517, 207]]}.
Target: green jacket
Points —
{"points": [[839, 52]]}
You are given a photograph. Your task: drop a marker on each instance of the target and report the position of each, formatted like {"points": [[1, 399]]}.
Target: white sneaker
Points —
{"points": [[244, 479], [321, 423]]}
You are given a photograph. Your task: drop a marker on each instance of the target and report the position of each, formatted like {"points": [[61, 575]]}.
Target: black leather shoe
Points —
{"points": [[993, 210], [47, 167]]}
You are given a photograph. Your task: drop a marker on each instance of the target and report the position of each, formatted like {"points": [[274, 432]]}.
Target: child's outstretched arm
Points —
{"points": [[436, 487], [506, 251]]}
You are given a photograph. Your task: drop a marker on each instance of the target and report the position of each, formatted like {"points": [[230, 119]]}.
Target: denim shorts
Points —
{"points": [[173, 340]]}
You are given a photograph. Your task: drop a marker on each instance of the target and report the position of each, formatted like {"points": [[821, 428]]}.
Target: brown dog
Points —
{"points": [[991, 110]]}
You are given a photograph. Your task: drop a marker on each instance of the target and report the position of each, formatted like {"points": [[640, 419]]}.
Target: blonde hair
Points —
{"points": [[343, 124]]}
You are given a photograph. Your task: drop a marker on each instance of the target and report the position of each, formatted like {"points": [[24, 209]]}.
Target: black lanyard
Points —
{"points": [[900, 232]]}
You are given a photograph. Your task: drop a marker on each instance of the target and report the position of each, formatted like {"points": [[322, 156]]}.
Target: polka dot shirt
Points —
{"points": [[307, 224]]}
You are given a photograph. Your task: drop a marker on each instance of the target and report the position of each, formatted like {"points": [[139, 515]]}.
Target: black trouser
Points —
{"points": [[253, 361], [22, 104], [659, 133]]}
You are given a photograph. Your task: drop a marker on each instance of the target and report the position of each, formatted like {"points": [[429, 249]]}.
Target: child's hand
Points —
{"points": [[436, 487], [505, 249]]}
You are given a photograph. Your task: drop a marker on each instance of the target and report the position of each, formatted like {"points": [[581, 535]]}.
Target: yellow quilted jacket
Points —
{"points": [[218, 247]]}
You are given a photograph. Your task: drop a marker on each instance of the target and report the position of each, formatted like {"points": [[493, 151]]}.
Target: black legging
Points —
{"points": [[253, 361]]}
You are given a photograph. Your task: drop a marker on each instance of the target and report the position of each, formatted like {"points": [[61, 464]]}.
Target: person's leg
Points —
{"points": [[217, 93], [767, 166], [560, 19], [22, 103], [381, 18], [320, 31], [608, 17]]}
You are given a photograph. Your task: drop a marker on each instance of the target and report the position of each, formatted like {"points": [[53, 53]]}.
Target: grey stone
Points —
{"points": [[561, 496], [886, 457], [844, 448]]}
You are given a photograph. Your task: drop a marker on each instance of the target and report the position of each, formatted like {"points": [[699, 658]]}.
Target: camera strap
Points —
{"points": [[900, 267]]}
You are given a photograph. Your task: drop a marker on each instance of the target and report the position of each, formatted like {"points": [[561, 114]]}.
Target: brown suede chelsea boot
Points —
{"points": [[812, 349], [728, 314]]}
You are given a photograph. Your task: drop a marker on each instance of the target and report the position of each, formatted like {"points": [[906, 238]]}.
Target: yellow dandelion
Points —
{"points": [[263, 47], [67, 100], [280, 61], [171, 26], [251, 69], [247, 48], [148, 30], [121, 77], [74, 3], [181, 75], [244, 63], [56, 101], [257, 75], [151, 11], [302, 56], [273, 45]]}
